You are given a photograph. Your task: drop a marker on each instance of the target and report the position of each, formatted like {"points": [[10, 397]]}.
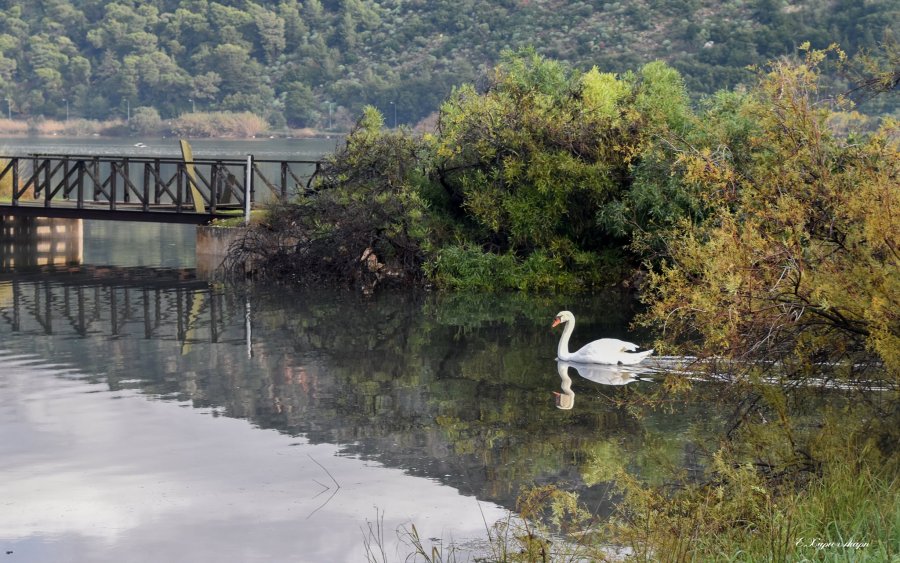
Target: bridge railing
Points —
{"points": [[149, 184]]}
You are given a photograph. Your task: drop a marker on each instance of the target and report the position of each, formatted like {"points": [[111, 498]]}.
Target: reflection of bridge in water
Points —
{"points": [[113, 302]]}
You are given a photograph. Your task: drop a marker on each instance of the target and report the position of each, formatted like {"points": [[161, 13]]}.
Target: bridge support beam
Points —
{"points": [[40, 241]]}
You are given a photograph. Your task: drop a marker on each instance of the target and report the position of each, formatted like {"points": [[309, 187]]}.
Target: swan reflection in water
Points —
{"points": [[598, 373]]}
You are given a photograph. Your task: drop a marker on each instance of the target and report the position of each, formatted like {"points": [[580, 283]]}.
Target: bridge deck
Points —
{"points": [[155, 213]]}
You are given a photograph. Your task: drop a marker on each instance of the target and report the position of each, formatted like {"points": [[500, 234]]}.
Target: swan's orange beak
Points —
{"points": [[556, 321]]}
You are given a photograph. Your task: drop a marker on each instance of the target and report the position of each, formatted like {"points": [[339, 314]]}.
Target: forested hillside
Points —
{"points": [[318, 62]]}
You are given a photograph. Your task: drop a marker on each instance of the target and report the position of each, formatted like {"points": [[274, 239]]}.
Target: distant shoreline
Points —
{"points": [[215, 125], [136, 136]]}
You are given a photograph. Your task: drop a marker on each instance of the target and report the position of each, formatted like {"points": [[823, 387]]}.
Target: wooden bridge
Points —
{"points": [[150, 189]]}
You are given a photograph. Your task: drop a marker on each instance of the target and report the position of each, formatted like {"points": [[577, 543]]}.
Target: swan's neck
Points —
{"points": [[562, 351]]}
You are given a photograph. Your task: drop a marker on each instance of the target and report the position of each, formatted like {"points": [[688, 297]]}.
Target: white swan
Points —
{"points": [[603, 351]]}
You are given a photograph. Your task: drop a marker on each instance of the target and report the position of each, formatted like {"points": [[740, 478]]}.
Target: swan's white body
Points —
{"points": [[603, 351]]}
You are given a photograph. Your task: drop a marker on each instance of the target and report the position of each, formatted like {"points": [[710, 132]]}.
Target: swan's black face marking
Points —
{"points": [[556, 321]]}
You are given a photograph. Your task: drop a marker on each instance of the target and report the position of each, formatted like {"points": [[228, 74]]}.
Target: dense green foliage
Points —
{"points": [[553, 179], [315, 62], [538, 170], [538, 183]]}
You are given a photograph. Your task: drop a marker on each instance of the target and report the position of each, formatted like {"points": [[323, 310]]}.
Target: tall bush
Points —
{"points": [[799, 260], [543, 160], [363, 224]]}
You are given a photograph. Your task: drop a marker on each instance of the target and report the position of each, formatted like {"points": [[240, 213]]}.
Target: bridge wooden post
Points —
{"points": [[112, 185], [48, 194], [35, 170], [79, 202], [126, 195], [65, 181], [15, 181], [158, 188], [43, 187], [147, 187], [179, 190], [97, 186]]}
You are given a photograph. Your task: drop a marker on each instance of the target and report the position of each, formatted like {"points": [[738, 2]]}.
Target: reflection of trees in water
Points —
{"points": [[455, 388]]}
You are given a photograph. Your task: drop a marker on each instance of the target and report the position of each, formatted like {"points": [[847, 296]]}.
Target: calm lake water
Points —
{"points": [[146, 415]]}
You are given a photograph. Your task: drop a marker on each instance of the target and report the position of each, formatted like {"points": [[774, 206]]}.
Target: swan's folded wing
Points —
{"points": [[609, 346], [628, 346]]}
